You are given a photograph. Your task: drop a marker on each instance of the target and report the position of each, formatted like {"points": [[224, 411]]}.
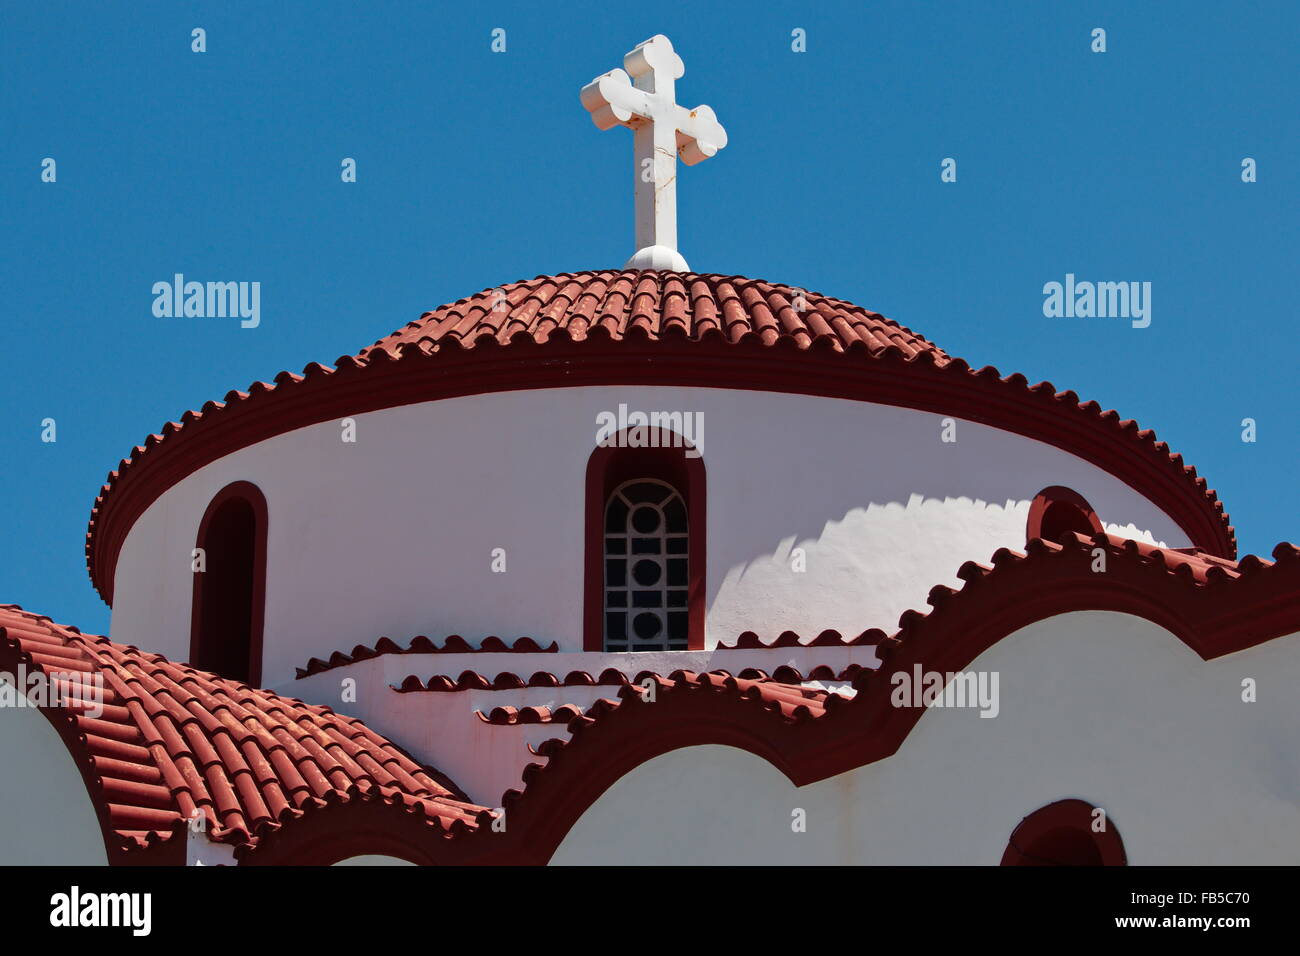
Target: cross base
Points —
{"points": [[660, 258]]}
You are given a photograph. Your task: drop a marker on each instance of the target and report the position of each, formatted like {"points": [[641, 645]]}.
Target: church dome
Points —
{"points": [[622, 328]]}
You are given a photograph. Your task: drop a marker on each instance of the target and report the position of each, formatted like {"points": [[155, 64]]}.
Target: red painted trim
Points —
{"points": [[1029, 844], [1059, 496], [248, 492], [1100, 438], [357, 826], [612, 465], [454, 644]]}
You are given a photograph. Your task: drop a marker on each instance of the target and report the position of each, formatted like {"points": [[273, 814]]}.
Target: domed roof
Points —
{"points": [[661, 305], [651, 328]]}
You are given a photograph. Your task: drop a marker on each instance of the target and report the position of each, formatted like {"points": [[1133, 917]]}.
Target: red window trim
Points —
{"points": [[1069, 814], [608, 467], [252, 494], [1057, 494]]}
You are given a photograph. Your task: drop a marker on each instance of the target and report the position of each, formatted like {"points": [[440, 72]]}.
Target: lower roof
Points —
{"points": [[289, 782], [173, 741]]}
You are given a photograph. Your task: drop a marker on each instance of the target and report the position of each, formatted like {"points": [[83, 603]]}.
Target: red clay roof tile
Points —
{"points": [[455, 644], [172, 739]]}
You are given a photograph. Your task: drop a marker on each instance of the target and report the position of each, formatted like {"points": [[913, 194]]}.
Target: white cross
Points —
{"points": [[646, 103]]}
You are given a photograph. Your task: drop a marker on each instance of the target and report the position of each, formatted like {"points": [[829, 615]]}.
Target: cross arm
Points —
{"points": [[612, 100], [699, 134]]}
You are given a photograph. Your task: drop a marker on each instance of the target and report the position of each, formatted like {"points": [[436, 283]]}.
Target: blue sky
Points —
{"points": [[477, 168]]}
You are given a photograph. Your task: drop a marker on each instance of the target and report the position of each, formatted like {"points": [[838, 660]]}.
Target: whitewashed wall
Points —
{"points": [[485, 760], [1095, 705], [48, 818], [393, 535]]}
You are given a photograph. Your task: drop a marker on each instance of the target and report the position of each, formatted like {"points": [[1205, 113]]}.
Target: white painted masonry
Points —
{"points": [[1099, 706], [200, 851], [393, 535], [48, 818], [440, 727]]}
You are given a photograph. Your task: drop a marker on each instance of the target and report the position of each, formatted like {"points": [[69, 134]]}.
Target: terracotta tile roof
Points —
{"points": [[787, 674], [1216, 606], [789, 702], [657, 304], [455, 644], [828, 638], [173, 740], [504, 716], [592, 328], [610, 677], [472, 680]]}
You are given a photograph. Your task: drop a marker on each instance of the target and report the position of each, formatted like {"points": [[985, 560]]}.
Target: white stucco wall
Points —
{"points": [[440, 728], [393, 535], [48, 818], [1104, 707], [200, 851]]}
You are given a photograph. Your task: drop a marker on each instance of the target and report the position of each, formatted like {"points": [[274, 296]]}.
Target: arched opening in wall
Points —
{"points": [[645, 554], [1057, 511], [230, 588], [1065, 833]]}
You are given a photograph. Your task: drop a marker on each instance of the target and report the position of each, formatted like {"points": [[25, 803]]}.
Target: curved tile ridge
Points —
{"points": [[473, 680], [1214, 605], [790, 702], [788, 674], [506, 680], [716, 319], [780, 693], [507, 716], [749, 641], [454, 644], [173, 743]]}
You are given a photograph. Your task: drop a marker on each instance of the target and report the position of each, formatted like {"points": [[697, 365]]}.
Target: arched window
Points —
{"points": [[646, 568], [645, 518], [1057, 511], [1065, 833], [230, 588]]}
